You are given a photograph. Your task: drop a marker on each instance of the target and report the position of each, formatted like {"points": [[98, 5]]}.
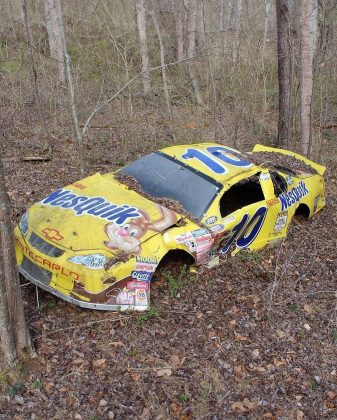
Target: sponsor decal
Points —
{"points": [[188, 240], [92, 261], [281, 221], [45, 262], [227, 220], [141, 275], [264, 176], [203, 243], [293, 196], [148, 265], [93, 206], [52, 234], [217, 228], [211, 220], [272, 202], [141, 297], [289, 180], [136, 285], [125, 298]]}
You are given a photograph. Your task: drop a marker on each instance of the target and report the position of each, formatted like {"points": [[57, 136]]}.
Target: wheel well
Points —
{"points": [[302, 211], [176, 257]]}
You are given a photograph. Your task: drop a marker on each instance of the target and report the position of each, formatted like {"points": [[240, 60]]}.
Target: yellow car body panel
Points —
{"points": [[97, 243]]}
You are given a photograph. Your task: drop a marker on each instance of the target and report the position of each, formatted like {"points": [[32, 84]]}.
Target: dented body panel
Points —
{"points": [[96, 243]]}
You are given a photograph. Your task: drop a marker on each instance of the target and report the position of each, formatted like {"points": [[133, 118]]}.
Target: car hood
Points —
{"points": [[98, 213]]}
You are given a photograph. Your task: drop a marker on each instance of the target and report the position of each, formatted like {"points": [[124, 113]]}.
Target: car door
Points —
{"points": [[247, 218]]}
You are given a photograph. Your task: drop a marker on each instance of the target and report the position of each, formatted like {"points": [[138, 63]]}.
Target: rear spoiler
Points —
{"points": [[320, 169]]}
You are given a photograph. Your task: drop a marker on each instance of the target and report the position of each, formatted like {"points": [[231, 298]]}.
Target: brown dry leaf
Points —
{"points": [[239, 337], [239, 370], [176, 409], [78, 361], [299, 415], [278, 363], [332, 395], [280, 334], [117, 344], [269, 416], [134, 375], [164, 372], [238, 407], [308, 309], [98, 363], [248, 404], [175, 360], [329, 404]]}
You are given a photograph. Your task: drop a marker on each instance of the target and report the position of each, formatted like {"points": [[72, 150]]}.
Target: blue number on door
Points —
{"points": [[244, 233]]}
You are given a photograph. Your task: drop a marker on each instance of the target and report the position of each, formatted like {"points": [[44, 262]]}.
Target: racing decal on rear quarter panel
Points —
{"points": [[293, 196]]}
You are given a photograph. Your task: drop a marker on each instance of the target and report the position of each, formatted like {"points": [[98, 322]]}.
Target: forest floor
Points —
{"points": [[253, 338]]}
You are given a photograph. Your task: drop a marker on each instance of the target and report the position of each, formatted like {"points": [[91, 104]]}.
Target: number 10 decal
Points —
{"points": [[244, 233], [212, 156]]}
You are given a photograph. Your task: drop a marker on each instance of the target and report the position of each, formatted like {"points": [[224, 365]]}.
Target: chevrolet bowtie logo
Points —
{"points": [[52, 234]]}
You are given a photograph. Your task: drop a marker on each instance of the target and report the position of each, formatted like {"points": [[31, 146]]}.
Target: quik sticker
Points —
{"points": [[147, 265]]}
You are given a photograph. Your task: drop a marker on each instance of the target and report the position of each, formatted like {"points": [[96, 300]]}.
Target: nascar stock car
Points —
{"points": [[97, 242]]}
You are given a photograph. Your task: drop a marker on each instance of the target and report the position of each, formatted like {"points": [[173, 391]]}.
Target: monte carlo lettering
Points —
{"points": [[93, 206], [293, 196]]}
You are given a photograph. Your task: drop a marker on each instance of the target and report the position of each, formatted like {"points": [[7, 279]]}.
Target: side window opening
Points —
{"points": [[280, 184], [245, 192]]}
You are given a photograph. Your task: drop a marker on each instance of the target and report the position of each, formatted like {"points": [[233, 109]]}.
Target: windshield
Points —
{"points": [[164, 177]]}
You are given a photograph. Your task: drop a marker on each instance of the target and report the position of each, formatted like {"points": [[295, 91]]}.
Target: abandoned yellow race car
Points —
{"points": [[97, 242]]}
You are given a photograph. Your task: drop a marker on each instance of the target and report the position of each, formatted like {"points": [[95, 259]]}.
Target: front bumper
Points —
{"points": [[86, 288]]}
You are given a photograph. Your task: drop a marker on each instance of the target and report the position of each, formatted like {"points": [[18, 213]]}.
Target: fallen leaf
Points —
{"points": [[239, 337], [164, 372], [299, 415], [280, 334], [98, 363], [332, 395], [308, 309], [238, 407], [135, 375], [248, 404]]}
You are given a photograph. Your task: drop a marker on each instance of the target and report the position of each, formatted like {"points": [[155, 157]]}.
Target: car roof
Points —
{"points": [[232, 171]]}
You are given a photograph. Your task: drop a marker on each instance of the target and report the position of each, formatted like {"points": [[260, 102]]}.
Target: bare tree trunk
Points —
{"points": [[224, 23], [141, 23], [191, 31], [46, 147], [284, 66], [55, 37], [7, 345], [163, 71], [179, 10], [10, 273], [211, 70], [236, 42], [308, 46], [266, 16], [69, 78]]}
